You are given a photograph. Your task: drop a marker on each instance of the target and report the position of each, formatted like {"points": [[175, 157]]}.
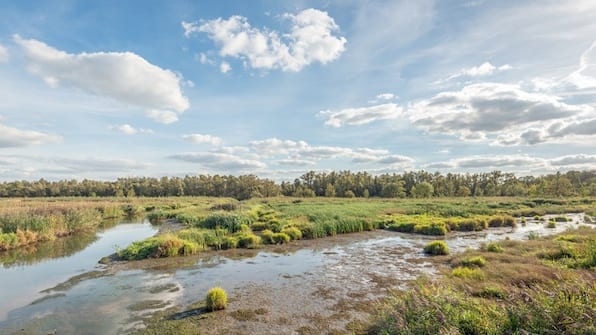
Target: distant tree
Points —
{"points": [[463, 191], [422, 190], [330, 191]]}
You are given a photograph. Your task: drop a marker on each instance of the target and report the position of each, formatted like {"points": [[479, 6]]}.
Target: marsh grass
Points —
{"points": [[529, 288]]}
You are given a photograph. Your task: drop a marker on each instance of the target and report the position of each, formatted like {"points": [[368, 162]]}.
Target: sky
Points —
{"points": [[108, 89]]}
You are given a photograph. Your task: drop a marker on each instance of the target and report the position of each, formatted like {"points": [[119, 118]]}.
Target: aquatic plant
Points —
{"points": [[217, 299]]}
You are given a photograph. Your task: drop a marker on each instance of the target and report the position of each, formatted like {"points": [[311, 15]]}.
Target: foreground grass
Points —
{"points": [[543, 286]]}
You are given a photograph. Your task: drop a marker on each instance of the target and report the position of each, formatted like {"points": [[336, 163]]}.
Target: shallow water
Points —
{"points": [[344, 267], [21, 282]]}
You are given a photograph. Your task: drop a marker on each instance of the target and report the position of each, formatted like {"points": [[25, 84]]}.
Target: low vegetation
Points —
{"points": [[436, 248], [217, 299], [532, 287]]}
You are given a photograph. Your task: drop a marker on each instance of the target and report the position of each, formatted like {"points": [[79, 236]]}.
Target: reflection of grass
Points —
{"points": [[531, 287]]}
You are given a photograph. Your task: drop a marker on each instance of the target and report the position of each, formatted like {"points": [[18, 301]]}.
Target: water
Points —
{"points": [[21, 282], [116, 303]]}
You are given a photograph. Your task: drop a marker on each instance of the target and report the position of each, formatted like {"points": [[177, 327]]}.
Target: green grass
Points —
{"points": [[217, 299], [529, 288], [436, 248]]}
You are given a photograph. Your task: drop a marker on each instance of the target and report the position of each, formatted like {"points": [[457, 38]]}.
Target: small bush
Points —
{"points": [[493, 247], [267, 236], [229, 242], [551, 224], [293, 232], [533, 236], [471, 262], [248, 241], [217, 299], [436, 229], [436, 248], [280, 238], [405, 227], [560, 219], [225, 221], [467, 273]]}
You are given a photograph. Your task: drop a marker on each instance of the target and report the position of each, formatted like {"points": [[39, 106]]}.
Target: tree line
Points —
{"points": [[414, 184]]}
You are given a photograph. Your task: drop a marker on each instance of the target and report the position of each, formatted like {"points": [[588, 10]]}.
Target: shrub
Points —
{"points": [[467, 273], [533, 236], [405, 227], [280, 238], [267, 236], [293, 232], [157, 216], [217, 299], [431, 229], [436, 248], [502, 221], [493, 247], [471, 262], [248, 240], [551, 224], [228, 207], [229, 242]]}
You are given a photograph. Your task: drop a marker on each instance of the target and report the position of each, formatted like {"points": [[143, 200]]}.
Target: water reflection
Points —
{"points": [[61, 247]]}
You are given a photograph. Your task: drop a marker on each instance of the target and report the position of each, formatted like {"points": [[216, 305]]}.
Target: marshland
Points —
{"points": [[306, 265]]}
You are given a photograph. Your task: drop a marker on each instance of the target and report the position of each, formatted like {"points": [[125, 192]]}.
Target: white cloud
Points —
{"points": [[124, 129], [13, 137], [295, 162], [99, 165], [492, 109], [225, 67], [203, 139], [362, 115], [585, 75], [579, 159], [274, 146], [219, 161], [484, 69], [230, 149], [162, 116], [122, 76], [311, 39], [4, 55], [386, 96]]}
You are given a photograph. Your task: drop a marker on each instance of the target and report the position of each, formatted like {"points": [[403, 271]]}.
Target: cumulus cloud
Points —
{"points": [[13, 137], [225, 67], [517, 162], [274, 146], [301, 153], [124, 129], [490, 108], [122, 76], [311, 39], [579, 159], [4, 55], [362, 115], [162, 116], [203, 139], [230, 149], [219, 161]]}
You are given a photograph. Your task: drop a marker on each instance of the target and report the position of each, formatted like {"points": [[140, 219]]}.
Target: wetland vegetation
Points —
{"points": [[479, 291]]}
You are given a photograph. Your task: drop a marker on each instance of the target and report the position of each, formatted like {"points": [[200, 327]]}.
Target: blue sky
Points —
{"points": [[107, 89]]}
